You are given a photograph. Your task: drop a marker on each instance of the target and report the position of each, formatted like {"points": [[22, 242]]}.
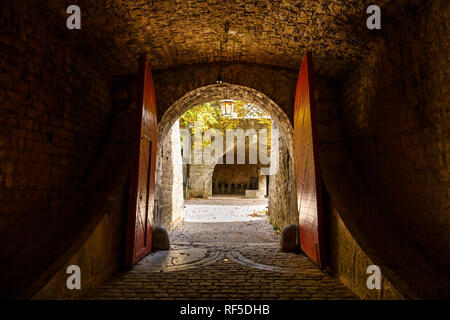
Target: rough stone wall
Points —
{"points": [[54, 104], [282, 190], [170, 180], [398, 98], [348, 261], [200, 180], [346, 257], [276, 83], [98, 248]]}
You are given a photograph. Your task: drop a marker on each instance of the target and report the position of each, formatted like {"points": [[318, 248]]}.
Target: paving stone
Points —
{"points": [[233, 280], [289, 238], [160, 239]]}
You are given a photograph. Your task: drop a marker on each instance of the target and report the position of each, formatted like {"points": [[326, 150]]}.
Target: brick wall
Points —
{"points": [[54, 103], [399, 96], [346, 211]]}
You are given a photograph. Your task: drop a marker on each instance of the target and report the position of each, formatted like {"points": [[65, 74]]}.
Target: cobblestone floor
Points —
{"points": [[223, 251], [221, 271]]}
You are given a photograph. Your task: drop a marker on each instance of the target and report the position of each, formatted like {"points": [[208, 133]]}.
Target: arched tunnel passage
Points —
{"points": [[225, 262], [343, 233], [383, 120], [341, 236]]}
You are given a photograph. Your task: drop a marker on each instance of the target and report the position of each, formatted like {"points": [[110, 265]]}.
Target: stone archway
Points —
{"points": [[203, 186], [282, 195]]}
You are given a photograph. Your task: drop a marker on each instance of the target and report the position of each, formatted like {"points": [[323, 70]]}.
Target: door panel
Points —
{"points": [[142, 172], [309, 200]]}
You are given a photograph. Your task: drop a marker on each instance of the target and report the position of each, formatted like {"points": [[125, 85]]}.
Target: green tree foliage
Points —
{"points": [[210, 116]]}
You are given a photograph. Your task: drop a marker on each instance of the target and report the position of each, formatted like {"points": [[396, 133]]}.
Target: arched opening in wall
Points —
{"points": [[203, 178]]}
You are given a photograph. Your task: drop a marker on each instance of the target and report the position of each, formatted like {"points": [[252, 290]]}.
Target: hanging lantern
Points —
{"points": [[227, 107]]}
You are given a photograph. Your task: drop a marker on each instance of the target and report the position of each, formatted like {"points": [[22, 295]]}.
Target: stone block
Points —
{"points": [[289, 238], [259, 194], [160, 239]]}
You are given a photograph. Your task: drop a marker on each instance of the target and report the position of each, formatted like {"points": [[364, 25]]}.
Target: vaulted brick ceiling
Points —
{"points": [[176, 33]]}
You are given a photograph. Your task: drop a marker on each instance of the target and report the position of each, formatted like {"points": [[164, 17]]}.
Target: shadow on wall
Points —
{"points": [[98, 247]]}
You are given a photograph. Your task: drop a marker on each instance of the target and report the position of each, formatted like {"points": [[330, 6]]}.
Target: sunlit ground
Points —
{"points": [[225, 219]]}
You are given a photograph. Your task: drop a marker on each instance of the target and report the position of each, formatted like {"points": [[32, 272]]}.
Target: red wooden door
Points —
{"points": [[309, 198], [143, 164]]}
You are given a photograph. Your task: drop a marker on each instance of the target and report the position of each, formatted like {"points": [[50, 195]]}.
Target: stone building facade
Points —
{"points": [[233, 178]]}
